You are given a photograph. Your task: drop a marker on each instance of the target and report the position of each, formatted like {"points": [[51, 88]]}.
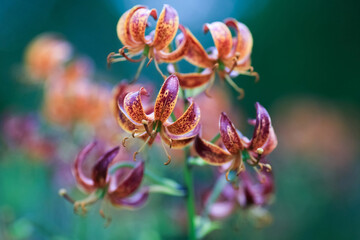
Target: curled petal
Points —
{"points": [[179, 141], [123, 28], [262, 128], [229, 135], [195, 53], [100, 170], [138, 23], [243, 42], [133, 105], [166, 27], [87, 184], [193, 80], [166, 99], [122, 186], [271, 143], [188, 121], [135, 201], [211, 153], [177, 54], [221, 36]]}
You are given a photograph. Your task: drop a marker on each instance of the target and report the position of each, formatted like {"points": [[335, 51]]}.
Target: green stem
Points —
{"points": [[215, 138], [190, 197]]}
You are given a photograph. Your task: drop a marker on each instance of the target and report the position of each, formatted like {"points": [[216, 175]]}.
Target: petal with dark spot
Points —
{"points": [[229, 135], [123, 28], [166, 99], [221, 36], [133, 105], [138, 23], [211, 153], [166, 27], [188, 121], [262, 128], [193, 80]]}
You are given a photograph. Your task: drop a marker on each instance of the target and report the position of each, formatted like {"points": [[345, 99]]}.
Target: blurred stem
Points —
{"points": [[190, 197], [219, 186]]}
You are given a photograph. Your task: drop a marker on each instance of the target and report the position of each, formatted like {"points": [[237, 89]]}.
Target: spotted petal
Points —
{"points": [[195, 54], [211, 153], [262, 128], [179, 141], [243, 42], [177, 54], [271, 143], [133, 105], [123, 28], [221, 36], [122, 186], [229, 135], [193, 80], [86, 183], [166, 99], [138, 24], [166, 27], [188, 121], [100, 170]]}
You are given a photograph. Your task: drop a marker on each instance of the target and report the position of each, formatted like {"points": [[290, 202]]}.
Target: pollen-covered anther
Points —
{"points": [[124, 141], [63, 193], [260, 151]]}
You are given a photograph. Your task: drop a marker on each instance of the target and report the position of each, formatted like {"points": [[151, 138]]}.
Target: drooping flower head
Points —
{"points": [[145, 124], [230, 56], [155, 46], [118, 188], [248, 193], [237, 147]]}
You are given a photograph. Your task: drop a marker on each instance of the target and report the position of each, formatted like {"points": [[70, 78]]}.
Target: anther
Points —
{"points": [[260, 151], [124, 141], [63, 193], [150, 60]]}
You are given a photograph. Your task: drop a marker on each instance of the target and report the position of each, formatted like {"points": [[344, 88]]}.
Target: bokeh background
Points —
{"points": [[307, 53]]}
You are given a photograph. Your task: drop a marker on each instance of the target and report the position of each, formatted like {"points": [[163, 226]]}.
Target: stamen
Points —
{"points": [[251, 73], [236, 87], [211, 83], [124, 140], [235, 59], [159, 70], [146, 126], [260, 151], [92, 198], [110, 58], [167, 154], [262, 177], [141, 148], [150, 60], [138, 71], [63, 193], [102, 214], [122, 52]]}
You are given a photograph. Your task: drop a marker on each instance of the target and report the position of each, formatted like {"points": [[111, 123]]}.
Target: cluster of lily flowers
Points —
{"points": [[120, 182]]}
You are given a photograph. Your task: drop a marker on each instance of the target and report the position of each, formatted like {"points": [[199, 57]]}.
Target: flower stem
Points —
{"points": [[190, 197]]}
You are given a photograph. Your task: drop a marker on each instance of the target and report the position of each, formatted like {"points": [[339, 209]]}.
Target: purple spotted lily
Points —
{"points": [[238, 148], [133, 118], [119, 188], [248, 193]]}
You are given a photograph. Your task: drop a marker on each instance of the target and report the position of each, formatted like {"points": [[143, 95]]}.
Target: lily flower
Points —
{"points": [[248, 193], [133, 118], [230, 56], [238, 148], [118, 189], [155, 46]]}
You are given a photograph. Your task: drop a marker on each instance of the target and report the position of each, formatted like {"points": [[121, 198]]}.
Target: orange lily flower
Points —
{"points": [[229, 57], [145, 124], [155, 46]]}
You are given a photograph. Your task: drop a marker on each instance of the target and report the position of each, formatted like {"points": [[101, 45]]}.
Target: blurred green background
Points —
{"points": [[307, 54]]}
